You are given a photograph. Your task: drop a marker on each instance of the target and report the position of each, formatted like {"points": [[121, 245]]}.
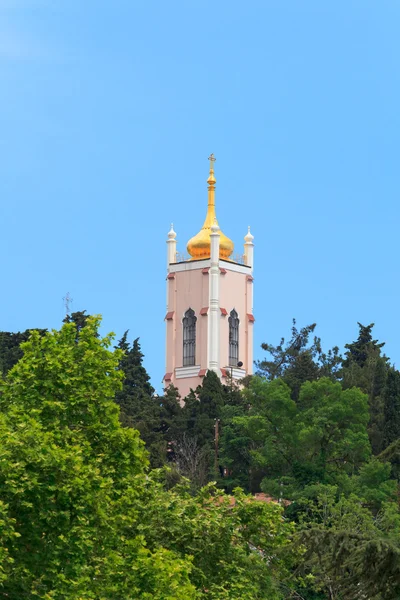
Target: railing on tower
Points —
{"points": [[182, 257], [239, 259]]}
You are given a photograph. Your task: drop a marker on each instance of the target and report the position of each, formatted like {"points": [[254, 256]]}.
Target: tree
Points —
{"points": [[79, 318], [366, 367], [258, 439], [65, 466], [358, 351], [285, 447], [297, 361], [391, 408], [82, 518], [349, 553], [135, 397], [10, 348]]}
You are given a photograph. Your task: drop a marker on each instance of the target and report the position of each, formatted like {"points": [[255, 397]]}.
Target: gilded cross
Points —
{"points": [[211, 158]]}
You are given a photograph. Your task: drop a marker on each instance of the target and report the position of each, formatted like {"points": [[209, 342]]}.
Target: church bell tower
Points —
{"points": [[209, 316]]}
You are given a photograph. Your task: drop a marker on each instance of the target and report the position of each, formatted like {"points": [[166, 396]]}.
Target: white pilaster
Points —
{"points": [[171, 247], [249, 249], [214, 310]]}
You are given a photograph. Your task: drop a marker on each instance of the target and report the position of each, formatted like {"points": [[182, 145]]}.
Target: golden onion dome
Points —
{"points": [[199, 246]]}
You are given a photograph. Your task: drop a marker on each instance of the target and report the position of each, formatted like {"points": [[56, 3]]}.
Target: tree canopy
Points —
{"points": [[110, 490], [82, 516]]}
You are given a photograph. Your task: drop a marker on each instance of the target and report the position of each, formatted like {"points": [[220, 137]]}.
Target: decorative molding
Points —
{"points": [[250, 318], [191, 265], [205, 271], [204, 311], [202, 372], [250, 278], [168, 376], [230, 266], [171, 276], [222, 271], [184, 372], [236, 372], [224, 312], [169, 315]]}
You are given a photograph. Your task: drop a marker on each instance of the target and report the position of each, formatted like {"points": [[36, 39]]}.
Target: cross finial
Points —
{"points": [[212, 158]]}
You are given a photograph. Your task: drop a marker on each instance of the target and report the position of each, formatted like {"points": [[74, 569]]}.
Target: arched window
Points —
{"points": [[189, 338], [233, 338]]}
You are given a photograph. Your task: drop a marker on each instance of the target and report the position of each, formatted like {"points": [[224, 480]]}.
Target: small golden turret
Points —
{"points": [[199, 246]]}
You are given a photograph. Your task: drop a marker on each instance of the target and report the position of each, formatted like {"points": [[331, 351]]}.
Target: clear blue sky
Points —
{"points": [[108, 112]]}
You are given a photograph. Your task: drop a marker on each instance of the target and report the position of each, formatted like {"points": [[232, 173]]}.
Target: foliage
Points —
{"points": [[10, 350], [297, 361], [81, 517], [350, 553], [391, 408], [79, 318], [289, 446], [366, 367]]}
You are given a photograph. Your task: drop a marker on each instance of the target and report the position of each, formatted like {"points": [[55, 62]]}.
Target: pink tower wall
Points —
{"points": [[236, 292], [188, 287]]}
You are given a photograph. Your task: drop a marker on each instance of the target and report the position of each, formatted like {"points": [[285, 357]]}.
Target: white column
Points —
{"points": [[214, 310], [249, 249], [170, 304], [171, 255], [171, 247]]}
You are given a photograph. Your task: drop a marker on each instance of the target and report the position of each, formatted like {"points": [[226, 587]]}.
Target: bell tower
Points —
{"points": [[209, 316]]}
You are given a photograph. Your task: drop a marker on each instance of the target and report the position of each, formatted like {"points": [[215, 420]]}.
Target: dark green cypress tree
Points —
{"points": [[134, 399], [171, 423], [203, 407], [10, 350], [359, 351], [366, 367], [79, 318], [391, 401]]}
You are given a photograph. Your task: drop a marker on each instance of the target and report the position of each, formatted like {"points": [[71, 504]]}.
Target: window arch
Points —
{"points": [[233, 338], [189, 338]]}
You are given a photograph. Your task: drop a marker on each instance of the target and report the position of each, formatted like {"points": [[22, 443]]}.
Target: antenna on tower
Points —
{"points": [[67, 303]]}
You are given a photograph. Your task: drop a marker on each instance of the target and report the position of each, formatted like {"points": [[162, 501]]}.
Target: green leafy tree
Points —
{"points": [[288, 446], [298, 360], [65, 465], [81, 517], [257, 439]]}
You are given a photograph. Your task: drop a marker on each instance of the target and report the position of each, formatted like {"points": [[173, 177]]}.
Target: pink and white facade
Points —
{"points": [[209, 317]]}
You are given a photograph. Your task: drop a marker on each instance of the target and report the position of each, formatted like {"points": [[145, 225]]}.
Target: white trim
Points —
{"points": [[190, 265], [236, 373], [213, 303], [184, 372], [229, 266], [194, 265]]}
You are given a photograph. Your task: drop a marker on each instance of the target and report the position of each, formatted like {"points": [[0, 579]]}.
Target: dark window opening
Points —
{"points": [[189, 338], [233, 338]]}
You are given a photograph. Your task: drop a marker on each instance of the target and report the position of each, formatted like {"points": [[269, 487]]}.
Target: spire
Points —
{"points": [[248, 238], [249, 249], [171, 246], [199, 246], [171, 233]]}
